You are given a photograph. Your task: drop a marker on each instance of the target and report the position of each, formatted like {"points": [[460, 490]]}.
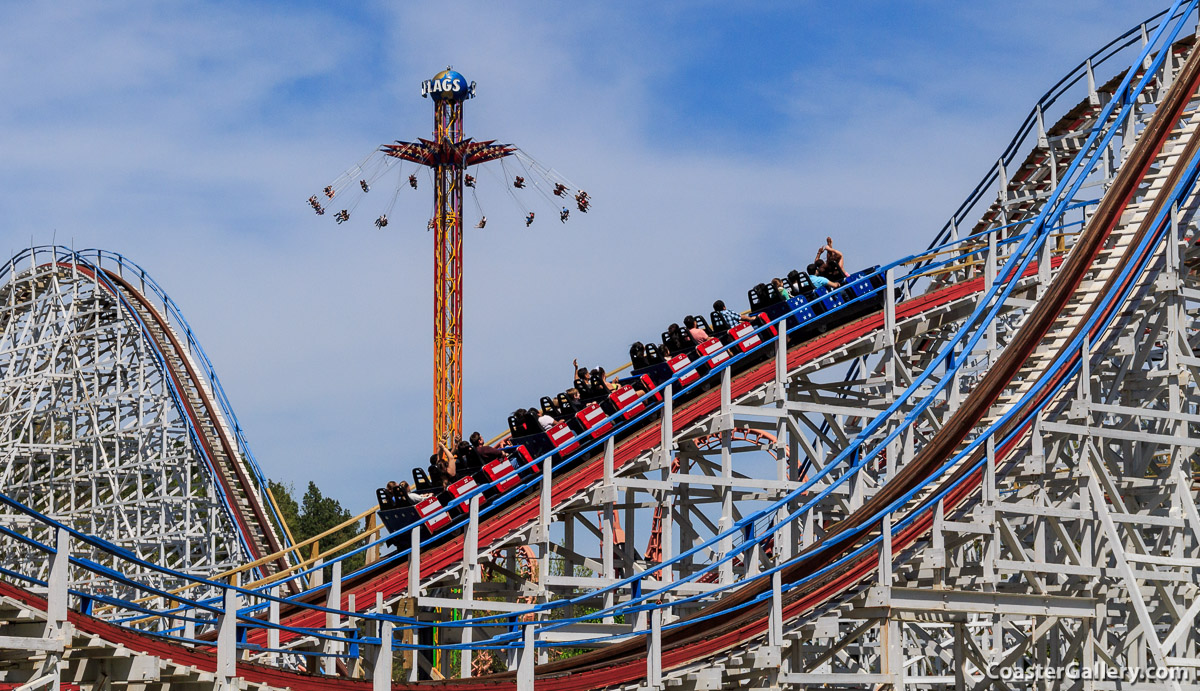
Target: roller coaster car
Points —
{"points": [[814, 306], [654, 355], [430, 506], [743, 329], [521, 424], [550, 407], [386, 500], [518, 458], [496, 470], [709, 347], [863, 282], [421, 481], [460, 488], [657, 368], [623, 397], [803, 313], [397, 520], [763, 296], [793, 280], [591, 391], [559, 434], [677, 364], [591, 419], [679, 343], [718, 326]]}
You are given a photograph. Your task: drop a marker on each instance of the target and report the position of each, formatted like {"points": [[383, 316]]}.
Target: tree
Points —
{"points": [[313, 515], [289, 510]]}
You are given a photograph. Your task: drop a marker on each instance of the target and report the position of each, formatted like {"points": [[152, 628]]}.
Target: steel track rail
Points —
{"points": [[687, 643], [625, 662], [448, 554]]}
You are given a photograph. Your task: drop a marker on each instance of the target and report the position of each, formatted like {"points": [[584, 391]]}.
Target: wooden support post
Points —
{"points": [[372, 554]]}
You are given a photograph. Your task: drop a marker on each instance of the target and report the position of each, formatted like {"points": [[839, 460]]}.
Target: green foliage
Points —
{"points": [[286, 503], [314, 514]]}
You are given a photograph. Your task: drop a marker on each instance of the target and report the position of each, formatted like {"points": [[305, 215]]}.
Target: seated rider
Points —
{"points": [[529, 219], [600, 381], [564, 214], [486, 453], [465, 457], [574, 399], [637, 355], [412, 181], [780, 289], [731, 318], [409, 495], [441, 470], [834, 266], [392, 490], [698, 335], [583, 379], [675, 343], [817, 279]]}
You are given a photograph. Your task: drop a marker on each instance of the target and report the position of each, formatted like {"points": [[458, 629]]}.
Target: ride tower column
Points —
{"points": [[447, 271], [448, 154]]}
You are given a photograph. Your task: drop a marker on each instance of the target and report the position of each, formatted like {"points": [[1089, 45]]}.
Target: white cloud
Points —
{"points": [[188, 136]]}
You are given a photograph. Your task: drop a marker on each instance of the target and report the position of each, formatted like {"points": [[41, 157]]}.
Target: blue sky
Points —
{"points": [[721, 142]]}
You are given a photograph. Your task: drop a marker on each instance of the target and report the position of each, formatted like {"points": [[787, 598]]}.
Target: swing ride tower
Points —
{"points": [[448, 154]]}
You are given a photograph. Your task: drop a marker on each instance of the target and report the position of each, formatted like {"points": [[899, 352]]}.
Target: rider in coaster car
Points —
{"points": [[698, 335], [780, 289], [814, 275], [637, 355], [834, 266], [486, 453], [441, 470], [732, 318]]}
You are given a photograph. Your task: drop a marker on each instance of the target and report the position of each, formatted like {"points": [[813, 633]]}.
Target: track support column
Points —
{"points": [[608, 498], [654, 651], [526, 658], [381, 674], [226, 671], [333, 621], [470, 575], [273, 631]]}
